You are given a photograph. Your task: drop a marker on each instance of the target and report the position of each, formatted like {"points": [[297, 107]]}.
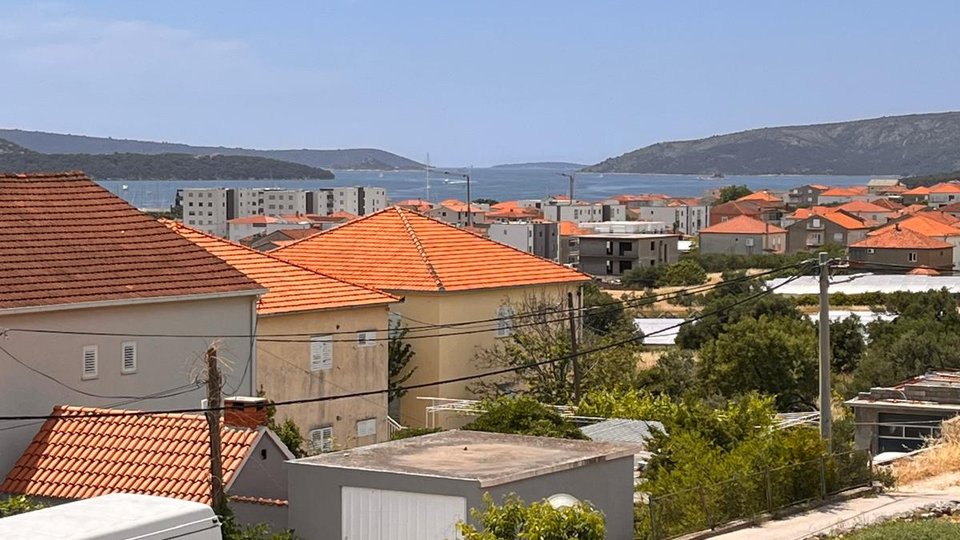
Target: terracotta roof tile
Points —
{"points": [[514, 213], [855, 207], [921, 224], [742, 225], [110, 454], [255, 220], [887, 203], [397, 249], [418, 205], [291, 287], [762, 196], [919, 190], [852, 191], [66, 240], [946, 187], [900, 239], [569, 228], [847, 221]]}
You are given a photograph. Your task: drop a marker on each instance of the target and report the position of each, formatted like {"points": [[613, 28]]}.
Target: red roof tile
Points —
{"points": [[762, 196], [252, 220], [920, 223], [742, 225], [397, 249], [291, 287], [946, 187], [514, 213], [73, 457], [852, 191], [919, 190], [857, 207], [900, 239], [66, 240]]}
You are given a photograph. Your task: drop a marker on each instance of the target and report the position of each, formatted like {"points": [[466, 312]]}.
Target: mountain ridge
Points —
{"points": [[912, 144], [64, 143]]}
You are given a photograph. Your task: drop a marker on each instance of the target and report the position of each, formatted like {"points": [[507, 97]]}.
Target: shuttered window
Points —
{"points": [[90, 362], [367, 427], [322, 439], [505, 321], [367, 338], [128, 357], [321, 353]]}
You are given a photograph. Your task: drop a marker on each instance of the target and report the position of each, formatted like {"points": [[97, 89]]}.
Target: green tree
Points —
{"points": [[644, 277], [732, 193], [523, 416], [771, 355], [675, 374], [603, 314], [491, 202], [18, 504], [287, 431], [399, 355], [846, 344], [684, 273], [514, 520]]}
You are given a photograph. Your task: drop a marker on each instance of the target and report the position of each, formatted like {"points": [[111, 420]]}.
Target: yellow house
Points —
{"points": [[316, 336], [447, 277]]}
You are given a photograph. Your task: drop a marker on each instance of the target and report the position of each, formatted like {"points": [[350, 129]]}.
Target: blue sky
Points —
{"points": [[470, 83]]}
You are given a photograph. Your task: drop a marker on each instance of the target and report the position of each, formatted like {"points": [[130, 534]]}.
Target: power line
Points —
{"points": [[463, 378]]}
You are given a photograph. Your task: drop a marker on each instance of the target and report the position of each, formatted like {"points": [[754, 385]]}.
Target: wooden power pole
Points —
{"points": [[826, 420], [218, 499], [573, 348]]}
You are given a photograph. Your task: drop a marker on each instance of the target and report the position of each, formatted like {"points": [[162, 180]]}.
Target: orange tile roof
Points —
{"points": [[851, 191], [820, 187], [569, 228], [505, 205], [847, 221], [66, 240], [514, 213], [924, 271], [763, 196], [291, 287], [900, 239], [419, 205], [255, 220], [166, 455], [887, 203], [804, 213], [398, 249], [742, 225], [856, 207], [940, 215], [343, 214], [914, 208], [460, 206], [946, 187], [919, 190], [920, 224]]}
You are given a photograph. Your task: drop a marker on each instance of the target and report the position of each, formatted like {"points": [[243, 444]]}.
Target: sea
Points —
{"points": [[489, 183]]}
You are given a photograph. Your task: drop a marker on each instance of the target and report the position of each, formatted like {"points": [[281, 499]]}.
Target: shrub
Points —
{"points": [[523, 416], [513, 520], [684, 273]]}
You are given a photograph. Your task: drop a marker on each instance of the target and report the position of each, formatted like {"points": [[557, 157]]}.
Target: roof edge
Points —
{"points": [[132, 301]]}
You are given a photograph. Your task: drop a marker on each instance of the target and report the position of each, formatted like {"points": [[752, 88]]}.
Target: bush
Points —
{"points": [[684, 273], [18, 504], [645, 277], [406, 433], [523, 416], [513, 520]]}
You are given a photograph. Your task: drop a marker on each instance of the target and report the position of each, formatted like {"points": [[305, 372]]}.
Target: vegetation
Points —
{"points": [[523, 416], [482, 200], [922, 529], [514, 520], [231, 530], [684, 273], [930, 179], [409, 432], [18, 504], [719, 262], [732, 193], [399, 355], [287, 430]]}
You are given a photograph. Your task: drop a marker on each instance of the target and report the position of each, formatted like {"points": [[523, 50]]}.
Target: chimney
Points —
{"points": [[245, 412]]}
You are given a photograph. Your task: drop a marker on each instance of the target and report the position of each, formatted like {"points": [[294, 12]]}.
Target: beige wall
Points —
{"points": [[162, 363], [283, 370], [440, 358]]}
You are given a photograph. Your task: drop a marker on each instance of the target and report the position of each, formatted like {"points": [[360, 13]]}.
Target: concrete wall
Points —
{"points": [[736, 244], [644, 252], [162, 363], [540, 239], [284, 371], [934, 258], [315, 508], [800, 235], [681, 219], [262, 475], [437, 357]]}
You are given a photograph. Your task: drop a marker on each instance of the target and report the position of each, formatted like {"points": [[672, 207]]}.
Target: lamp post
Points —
{"points": [[570, 176], [467, 177]]}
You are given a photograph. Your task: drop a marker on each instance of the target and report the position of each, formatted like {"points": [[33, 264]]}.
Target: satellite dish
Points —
{"points": [[562, 500]]}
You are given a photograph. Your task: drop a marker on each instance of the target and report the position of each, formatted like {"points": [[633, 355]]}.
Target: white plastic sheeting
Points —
{"points": [[663, 337], [865, 283]]}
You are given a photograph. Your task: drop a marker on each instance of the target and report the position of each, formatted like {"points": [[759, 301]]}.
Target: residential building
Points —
{"points": [[884, 186], [513, 213], [763, 196], [684, 217], [359, 200], [944, 194], [447, 276], [616, 254], [442, 476], [919, 194], [569, 252], [806, 195], [104, 291], [627, 227], [458, 213], [242, 227], [583, 212], [269, 202], [743, 235], [904, 417], [342, 349], [890, 204], [540, 238], [417, 205], [764, 211], [207, 209], [840, 195], [901, 250], [78, 455], [277, 238], [836, 228], [927, 224], [868, 211]]}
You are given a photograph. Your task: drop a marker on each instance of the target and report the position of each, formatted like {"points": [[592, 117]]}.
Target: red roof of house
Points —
{"points": [[920, 223], [742, 225], [569, 228], [746, 208], [290, 287], [804, 213], [946, 187], [762, 196], [65, 240], [887, 203], [852, 191], [914, 208], [847, 221], [900, 239], [167, 455], [924, 271], [258, 219], [398, 249], [514, 213], [863, 207], [419, 205], [919, 190]]}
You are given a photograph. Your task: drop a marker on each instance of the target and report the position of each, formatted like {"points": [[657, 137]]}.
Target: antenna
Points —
{"points": [[428, 178]]}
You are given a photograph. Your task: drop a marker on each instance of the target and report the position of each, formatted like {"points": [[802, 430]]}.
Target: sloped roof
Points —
{"points": [[847, 221], [253, 220], [946, 187], [939, 215], [919, 190], [569, 228], [887, 203], [920, 223], [855, 207], [460, 206], [852, 191], [737, 207], [66, 240], [804, 213], [900, 239], [75, 457], [419, 205], [762, 196], [290, 287], [742, 225], [924, 271], [514, 213], [398, 249], [622, 430]]}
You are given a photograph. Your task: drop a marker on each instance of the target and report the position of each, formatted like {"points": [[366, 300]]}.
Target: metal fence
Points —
{"points": [[745, 497]]}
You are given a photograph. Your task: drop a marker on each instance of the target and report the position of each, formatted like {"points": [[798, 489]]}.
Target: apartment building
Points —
{"points": [[358, 200], [615, 254], [269, 202], [583, 212], [207, 209], [534, 237]]}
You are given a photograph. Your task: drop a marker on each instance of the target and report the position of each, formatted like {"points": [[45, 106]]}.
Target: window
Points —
{"points": [[322, 439], [609, 247], [626, 266], [367, 338], [505, 321], [912, 256], [128, 357], [609, 267], [367, 427], [838, 237], [653, 245], [321, 352], [748, 242], [816, 223], [90, 362], [625, 247]]}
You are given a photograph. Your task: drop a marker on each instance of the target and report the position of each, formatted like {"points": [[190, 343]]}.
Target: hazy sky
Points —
{"points": [[469, 82]]}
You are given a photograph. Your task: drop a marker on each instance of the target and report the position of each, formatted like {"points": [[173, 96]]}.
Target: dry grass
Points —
{"points": [[942, 459]]}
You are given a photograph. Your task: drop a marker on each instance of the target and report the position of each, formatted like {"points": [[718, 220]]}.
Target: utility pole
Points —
{"points": [[570, 177], [573, 348], [469, 213], [218, 499], [826, 420]]}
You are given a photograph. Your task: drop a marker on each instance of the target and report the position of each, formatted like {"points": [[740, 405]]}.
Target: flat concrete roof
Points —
{"points": [[490, 458]]}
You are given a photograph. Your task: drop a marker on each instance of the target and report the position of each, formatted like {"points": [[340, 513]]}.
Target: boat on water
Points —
{"points": [[714, 176]]}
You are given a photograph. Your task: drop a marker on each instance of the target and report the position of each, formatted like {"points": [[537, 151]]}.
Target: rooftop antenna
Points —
{"points": [[428, 178]]}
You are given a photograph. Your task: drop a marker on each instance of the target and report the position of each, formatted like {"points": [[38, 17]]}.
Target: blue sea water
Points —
{"points": [[499, 184]]}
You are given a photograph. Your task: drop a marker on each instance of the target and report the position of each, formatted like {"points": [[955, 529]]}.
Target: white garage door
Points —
{"points": [[379, 514]]}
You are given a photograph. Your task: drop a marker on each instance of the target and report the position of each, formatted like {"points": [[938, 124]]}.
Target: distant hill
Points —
{"points": [[930, 179], [904, 145], [15, 158], [557, 165], [58, 143]]}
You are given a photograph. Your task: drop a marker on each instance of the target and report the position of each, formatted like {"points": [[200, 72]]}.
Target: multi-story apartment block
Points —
{"points": [[534, 237], [615, 254], [207, 209], [581, 212], [269, 202], [358, 200]]}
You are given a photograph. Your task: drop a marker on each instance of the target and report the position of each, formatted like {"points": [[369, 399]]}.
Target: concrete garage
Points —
{"points": [[419, 488]]}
